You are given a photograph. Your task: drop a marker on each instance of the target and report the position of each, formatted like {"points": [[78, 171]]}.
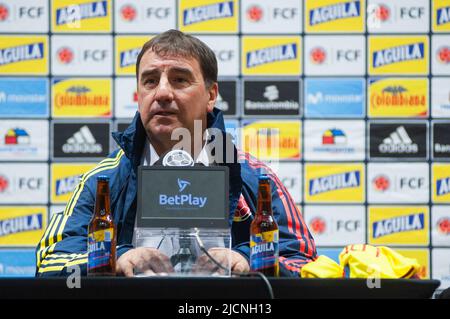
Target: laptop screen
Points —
{"points": [[183, 197]]}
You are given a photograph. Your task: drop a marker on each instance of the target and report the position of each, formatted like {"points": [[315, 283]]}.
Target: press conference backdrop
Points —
{"points": [[357, 92]]}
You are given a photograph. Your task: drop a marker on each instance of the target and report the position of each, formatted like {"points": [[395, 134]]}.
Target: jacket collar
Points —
{"points": [[133, 139]]}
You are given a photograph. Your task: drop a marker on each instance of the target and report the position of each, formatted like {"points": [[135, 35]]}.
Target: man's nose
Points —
{"points": [[164, 91]]}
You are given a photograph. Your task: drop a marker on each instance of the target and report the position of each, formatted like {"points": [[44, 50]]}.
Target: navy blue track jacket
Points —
{"points": [[64, 242]]}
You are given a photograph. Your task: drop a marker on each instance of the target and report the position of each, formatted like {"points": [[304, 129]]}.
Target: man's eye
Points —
{"points": [[149, 81], [180, 80]]}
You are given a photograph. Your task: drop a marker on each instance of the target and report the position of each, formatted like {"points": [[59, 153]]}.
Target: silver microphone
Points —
{"points": [[177, 158]]}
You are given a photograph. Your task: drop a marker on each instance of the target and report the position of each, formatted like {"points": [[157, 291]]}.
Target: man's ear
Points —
{"points": [[213, 92]]}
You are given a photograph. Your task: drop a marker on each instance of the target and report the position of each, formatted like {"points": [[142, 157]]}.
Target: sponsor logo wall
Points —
{"points": [[349, 102]]}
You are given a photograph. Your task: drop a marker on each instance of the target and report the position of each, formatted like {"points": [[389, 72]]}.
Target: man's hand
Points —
{"points": [[238, 262], [149, 261]]}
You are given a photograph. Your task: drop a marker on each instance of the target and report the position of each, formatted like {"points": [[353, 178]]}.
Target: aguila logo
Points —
{"points": [[65, 55], [443, 55], [318, 225], [318, 55], [443, 226], [128, 13], [381, 183], [4, 12], [254, 13]]}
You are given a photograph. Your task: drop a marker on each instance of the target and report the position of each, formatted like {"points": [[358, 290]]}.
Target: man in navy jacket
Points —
{"points": [[177, 89]]}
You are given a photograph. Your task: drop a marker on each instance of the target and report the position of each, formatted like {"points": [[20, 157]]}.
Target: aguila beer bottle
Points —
{"points": [[102, 234], [264, 233]]}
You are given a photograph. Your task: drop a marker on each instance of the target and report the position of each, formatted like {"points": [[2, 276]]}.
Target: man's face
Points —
{"points": [[172, 94]]}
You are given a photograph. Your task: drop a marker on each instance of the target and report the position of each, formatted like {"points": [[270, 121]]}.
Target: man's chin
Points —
{"points": [[164, 130]]}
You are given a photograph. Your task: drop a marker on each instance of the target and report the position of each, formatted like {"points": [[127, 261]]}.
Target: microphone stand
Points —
{"points": [[184, 255]]}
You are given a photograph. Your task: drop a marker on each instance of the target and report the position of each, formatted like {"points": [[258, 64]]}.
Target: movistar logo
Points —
{"points": [[83, 11], [334, 182], [27, 52], [335, 12], [272, 54], [443, 15], [443, 186], [210, 12], [403, 53], [129, 57], [398, 224], [182, 185]]}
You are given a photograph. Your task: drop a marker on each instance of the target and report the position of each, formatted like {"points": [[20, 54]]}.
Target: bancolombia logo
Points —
{"points": [[182, 200], [398, 224]]}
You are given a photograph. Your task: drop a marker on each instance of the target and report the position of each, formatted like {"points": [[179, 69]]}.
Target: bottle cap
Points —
{"points": [[103, 178], [263, 177]]}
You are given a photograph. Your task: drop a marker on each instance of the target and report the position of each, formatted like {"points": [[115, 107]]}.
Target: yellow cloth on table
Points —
{"points": [[322, 267], [377, 262], [363, 261]]}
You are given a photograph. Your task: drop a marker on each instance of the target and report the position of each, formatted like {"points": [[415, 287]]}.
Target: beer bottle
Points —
{"points": [[264, 233], [102, 234]]}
